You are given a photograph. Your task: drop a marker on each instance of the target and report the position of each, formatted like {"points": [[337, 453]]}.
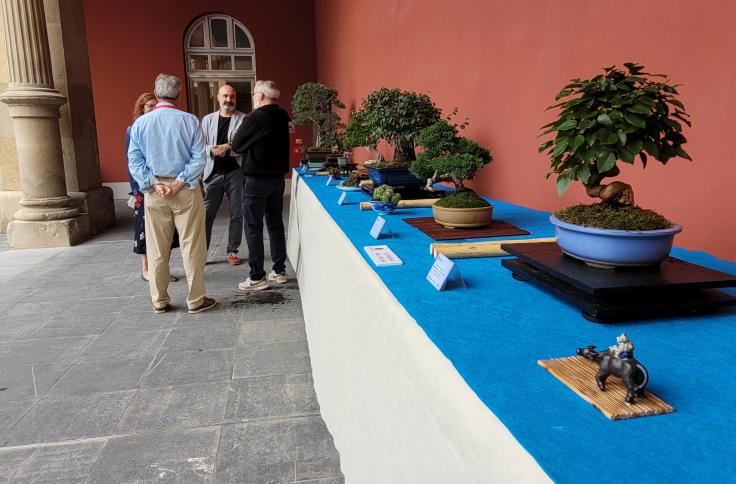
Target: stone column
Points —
{"points": [[47, 217]]}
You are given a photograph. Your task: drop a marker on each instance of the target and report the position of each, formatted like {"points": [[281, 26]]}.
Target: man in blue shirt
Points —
{"points": [[166, 157]]}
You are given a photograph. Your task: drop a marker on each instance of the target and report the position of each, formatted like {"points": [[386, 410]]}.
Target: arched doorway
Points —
{"points": [[218, 50]]}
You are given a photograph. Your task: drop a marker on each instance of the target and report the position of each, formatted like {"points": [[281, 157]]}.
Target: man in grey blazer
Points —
{"points": [[223, 174]]}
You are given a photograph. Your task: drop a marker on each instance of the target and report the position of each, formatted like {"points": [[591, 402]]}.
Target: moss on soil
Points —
{"points": [[464, 199], [383, 165], [604, 216]]}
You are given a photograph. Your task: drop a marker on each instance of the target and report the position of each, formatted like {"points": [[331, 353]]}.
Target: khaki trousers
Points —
{"points": [[185, 211]]}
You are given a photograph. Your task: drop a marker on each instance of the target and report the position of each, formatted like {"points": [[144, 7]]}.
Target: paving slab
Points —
{"points": [[120, 345], [209, 337], [274, 396], [286, 450], [59, 418], [59, 464], [183, 457], [272, 359], [178, 407], [45, 351], [272, 331], [19, 381], [183, 367], [96, 376]]}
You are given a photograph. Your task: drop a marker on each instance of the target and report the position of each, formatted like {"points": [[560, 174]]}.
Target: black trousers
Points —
{"points": [[264, 197]]}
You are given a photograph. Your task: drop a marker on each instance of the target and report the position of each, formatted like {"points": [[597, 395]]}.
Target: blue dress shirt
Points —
{"points": [[166, 142]]}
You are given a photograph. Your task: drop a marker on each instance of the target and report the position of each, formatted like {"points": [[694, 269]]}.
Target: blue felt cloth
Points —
{"points": [[495, 331]]}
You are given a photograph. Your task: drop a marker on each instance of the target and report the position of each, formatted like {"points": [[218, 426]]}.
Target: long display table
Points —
{"points": [[423, 386]]}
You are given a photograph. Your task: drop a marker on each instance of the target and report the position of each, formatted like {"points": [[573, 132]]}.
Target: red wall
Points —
{"points": [[501, 63], [131, 42]]}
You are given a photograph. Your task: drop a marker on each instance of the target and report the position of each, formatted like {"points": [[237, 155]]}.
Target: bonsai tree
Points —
{"points": [[397, 116], [616, 116], [448, 157], [313, 104], [358, 134]]}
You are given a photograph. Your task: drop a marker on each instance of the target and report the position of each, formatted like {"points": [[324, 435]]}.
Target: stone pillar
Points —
{"points": [[47, 217]]}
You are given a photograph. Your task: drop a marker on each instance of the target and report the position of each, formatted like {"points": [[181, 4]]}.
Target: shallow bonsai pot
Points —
{"points": [[462, 217], [320, 156], [384, 208], [614, 248], [392, 176]]}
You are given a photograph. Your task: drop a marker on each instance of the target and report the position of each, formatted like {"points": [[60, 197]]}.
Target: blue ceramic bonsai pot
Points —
{"points": [[384, 208], [614, 248]]}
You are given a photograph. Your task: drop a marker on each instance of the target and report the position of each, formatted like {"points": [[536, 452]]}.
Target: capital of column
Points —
{"points": [[32, 102]]}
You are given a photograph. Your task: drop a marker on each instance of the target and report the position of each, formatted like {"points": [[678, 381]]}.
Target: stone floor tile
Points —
{"points": [[54, 419], [68, 327], [45, 351], [276, 302], [184, 367], [176, 407], [125, 345], [10, 461], [272, 359], [96, 376], [33, 308], [194, 338], [274, 396], [20, 381], [148, 321], [96, 307], [11, 412], [58, 464], [18, 328], [272, 331], [286, 450], [224, 312], [183, 456]]}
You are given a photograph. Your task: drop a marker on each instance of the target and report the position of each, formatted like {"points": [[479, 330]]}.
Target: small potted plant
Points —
{"points": [[617, 116], [448, 157], [313, 104], [385, 200], [397, 117]]}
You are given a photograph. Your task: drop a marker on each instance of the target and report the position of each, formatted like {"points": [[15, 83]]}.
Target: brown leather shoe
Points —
{"points": [[207, 303], [233, 259], [161, 309]]}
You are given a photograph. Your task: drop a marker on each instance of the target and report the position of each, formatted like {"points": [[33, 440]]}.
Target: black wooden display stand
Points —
{"points": [[675, 287]]}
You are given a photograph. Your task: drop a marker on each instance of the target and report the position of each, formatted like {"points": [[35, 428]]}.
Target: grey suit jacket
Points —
{"points": [[209, 127]]}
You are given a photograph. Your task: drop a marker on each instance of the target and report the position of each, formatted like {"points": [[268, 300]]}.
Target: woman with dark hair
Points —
{"points": [[145, 103]]}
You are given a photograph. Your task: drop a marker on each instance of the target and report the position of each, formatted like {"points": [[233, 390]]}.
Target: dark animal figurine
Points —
{"points": [[623, 365]]}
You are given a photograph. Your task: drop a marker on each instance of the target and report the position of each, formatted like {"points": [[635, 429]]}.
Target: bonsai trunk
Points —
{"points": [[616, 193], [404, 151], [444, 177], [377, 157]]}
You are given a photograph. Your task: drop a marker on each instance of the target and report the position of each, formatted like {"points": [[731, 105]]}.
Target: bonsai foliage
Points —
{"points": [[386, 194], [618, 115], [313, 104], [358, 134], [448, 157], [397, 116]]}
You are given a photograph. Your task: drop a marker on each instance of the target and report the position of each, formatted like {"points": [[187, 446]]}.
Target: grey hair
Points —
{"points": [[268, 88], [167, 87]]}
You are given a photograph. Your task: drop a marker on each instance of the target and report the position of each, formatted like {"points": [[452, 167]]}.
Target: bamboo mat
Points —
{"points": [[497, 228], [578, 374]]}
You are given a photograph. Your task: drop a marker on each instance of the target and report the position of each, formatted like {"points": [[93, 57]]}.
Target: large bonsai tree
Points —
{"points": [[358, 134], [618, 115], [448, 157], [313, 104], [397, 116]]}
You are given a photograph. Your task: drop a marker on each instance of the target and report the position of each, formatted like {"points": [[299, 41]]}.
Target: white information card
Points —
{"points": [[380, 229], [442, 271], [382, 255], [343, 197]]}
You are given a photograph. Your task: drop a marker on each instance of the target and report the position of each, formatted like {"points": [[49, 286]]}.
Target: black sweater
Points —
{"points": [[263, 139]]}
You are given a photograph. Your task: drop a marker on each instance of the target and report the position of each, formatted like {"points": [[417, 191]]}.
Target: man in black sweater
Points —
{"points": [[263, 139]]}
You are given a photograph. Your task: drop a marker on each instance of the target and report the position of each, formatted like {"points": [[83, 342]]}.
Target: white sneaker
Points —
{"points": [[278, 278], [249, 285]]}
